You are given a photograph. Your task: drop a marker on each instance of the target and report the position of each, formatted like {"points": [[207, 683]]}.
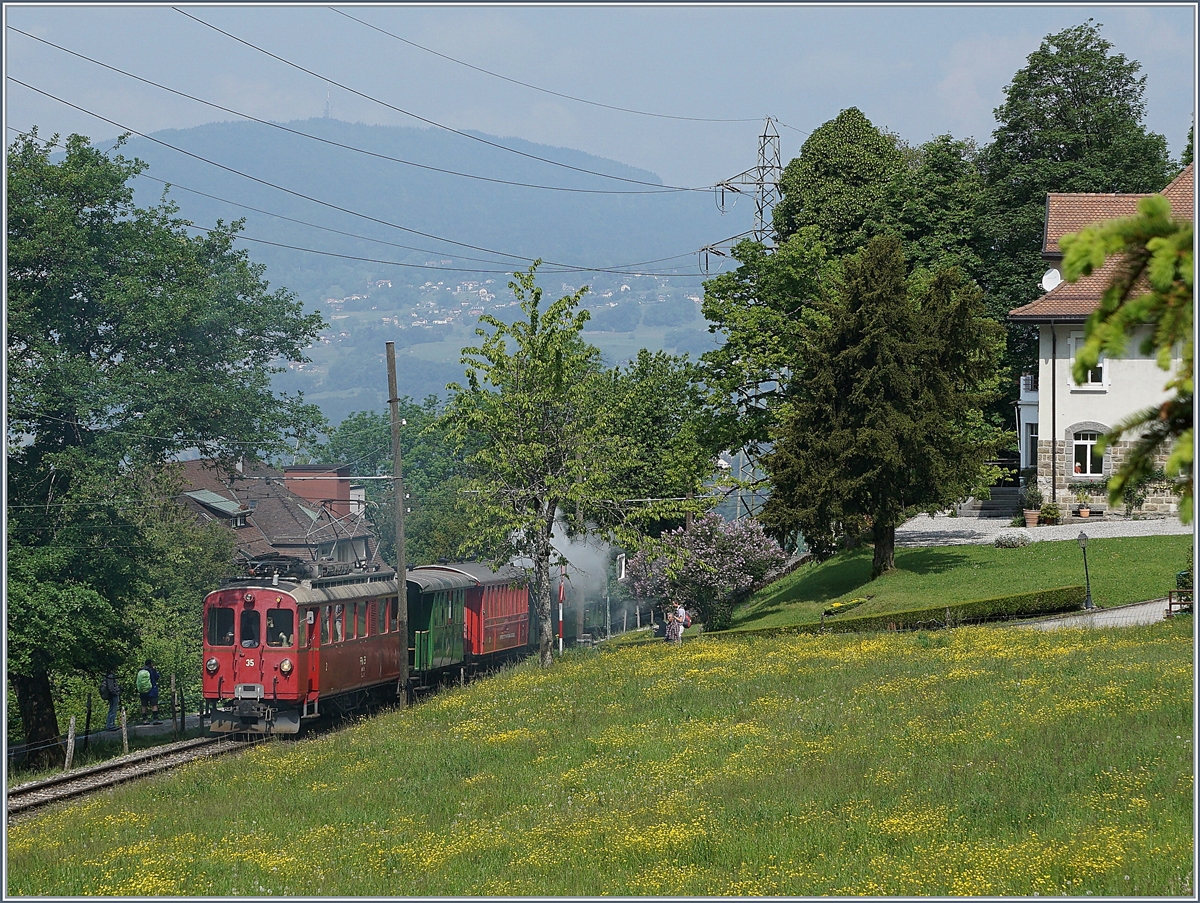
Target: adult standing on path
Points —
{"points": [[147, 687], [675, 625], [110, 692]]}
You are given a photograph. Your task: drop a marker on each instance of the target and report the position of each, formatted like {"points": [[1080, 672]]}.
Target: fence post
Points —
{"points": [[125, 729], [70, 744]]}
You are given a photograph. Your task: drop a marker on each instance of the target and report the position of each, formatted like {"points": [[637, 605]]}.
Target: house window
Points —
{"points": [[1029, 382], [1089, 461], [1031, 437], [1095, 377]]}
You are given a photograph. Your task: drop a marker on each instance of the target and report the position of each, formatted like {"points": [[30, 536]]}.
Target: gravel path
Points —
{"points": [[1122, 616], [944, 530]]}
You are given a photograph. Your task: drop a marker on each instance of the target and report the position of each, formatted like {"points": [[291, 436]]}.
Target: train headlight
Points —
{"points": [[286, 666], [212, 665]]}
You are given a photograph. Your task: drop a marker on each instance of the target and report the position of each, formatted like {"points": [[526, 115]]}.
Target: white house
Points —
{"points": [[1058, 419]]}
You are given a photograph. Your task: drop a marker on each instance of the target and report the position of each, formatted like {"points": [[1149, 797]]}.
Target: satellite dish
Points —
{"points": [[1051, 279]]}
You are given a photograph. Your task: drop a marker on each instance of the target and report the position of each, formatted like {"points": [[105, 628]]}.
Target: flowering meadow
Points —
{"points": [[978, 761]]}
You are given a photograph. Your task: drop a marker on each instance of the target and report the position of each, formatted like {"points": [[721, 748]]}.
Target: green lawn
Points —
{"points": [[1128, 569], [977, 761]]}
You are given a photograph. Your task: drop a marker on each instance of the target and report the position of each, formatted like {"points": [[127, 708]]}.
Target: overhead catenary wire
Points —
{"points": [[563, 267], [432, 122], [301, 195], [618, 269], [534, 87], [349, 147]]}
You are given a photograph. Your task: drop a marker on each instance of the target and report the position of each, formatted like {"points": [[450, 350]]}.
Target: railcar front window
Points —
{"points": [[362, 618], [325, 626], [279, 627], [339, 623], [220, 626], [251, 626]]}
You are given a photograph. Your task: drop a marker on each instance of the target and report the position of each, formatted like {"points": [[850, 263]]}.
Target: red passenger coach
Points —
{"points": [[496, 608]]}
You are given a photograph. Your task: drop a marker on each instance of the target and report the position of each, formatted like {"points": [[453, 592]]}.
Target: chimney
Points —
{"points": [[327, 485]]}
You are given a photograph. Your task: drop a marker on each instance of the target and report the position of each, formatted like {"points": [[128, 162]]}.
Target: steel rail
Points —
{"points": [[34, 795]]}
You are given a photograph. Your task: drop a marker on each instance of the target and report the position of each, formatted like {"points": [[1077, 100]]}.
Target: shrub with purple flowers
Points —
{"points": [[705, 568]]}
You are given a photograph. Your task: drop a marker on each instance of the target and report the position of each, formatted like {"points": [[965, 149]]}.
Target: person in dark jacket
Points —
{"points": [[110, 692]]}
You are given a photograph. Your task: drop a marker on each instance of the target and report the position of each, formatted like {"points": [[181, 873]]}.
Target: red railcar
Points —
{"points": [[275, 648]]}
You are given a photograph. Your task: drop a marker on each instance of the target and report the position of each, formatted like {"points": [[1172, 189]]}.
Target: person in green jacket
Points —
{"points": [[147, 687]]}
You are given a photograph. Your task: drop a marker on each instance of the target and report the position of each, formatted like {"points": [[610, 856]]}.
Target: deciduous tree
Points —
{"points": [[654, 405], [1072, 120], [534, 444], [705, 567], [761, 309], [838, 182], [129, 340], [435, 526]]}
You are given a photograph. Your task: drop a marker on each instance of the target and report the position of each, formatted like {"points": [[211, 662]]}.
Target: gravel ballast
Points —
{"points": [[944, 530]]}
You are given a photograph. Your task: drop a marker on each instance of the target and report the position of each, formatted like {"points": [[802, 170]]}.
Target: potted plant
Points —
{"points": [[1083, 495], [1031, 503], [1050, 513]]}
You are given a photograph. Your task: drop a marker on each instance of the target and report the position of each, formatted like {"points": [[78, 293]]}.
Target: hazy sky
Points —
{"points": [[915, 70]]}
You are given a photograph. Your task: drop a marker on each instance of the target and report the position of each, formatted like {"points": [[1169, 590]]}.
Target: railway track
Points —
{"points": [[28, 798]]}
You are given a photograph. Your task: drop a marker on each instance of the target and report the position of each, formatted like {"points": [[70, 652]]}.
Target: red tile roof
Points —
{"points": [[1066, 213], [1067, 301], [276, 520], [1182, 194]]}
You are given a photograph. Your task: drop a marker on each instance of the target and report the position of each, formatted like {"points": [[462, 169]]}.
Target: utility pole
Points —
{"points": [[401, 564]]}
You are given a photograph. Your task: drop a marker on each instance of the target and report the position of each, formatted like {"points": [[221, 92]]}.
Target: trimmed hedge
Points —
{"points": [[1019, 605]]}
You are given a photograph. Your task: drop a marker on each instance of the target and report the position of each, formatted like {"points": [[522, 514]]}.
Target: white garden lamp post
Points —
{"points": [[1087, 600]]}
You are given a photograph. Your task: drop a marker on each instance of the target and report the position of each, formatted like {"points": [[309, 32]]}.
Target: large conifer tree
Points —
{"points": [[885, 415]]}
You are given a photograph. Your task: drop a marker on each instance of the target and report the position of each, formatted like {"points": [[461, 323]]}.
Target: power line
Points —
{"points": [[533, 87], [563, 266], [349, 147], [563, 269], [236, 172], [432, 122], [619, 269]]}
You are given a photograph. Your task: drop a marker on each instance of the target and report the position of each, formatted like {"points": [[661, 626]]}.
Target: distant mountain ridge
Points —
{"points": [[601, 230]]}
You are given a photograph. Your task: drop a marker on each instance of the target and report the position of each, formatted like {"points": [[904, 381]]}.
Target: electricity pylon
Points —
{"points": [[764, 178]]}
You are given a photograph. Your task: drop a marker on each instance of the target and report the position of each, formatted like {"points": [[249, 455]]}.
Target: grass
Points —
{"points": [[979, 761], [1127, 569]]}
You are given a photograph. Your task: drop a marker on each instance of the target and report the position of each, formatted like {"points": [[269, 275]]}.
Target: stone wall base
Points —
{"points": [[1159, 500]]}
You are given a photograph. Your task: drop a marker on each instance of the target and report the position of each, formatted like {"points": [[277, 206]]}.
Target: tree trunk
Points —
{"points": [[885, 548], [541, 586], [42, 740]]}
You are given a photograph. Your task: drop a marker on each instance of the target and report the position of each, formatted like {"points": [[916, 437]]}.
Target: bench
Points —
{"points": [[1178, 600]]}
